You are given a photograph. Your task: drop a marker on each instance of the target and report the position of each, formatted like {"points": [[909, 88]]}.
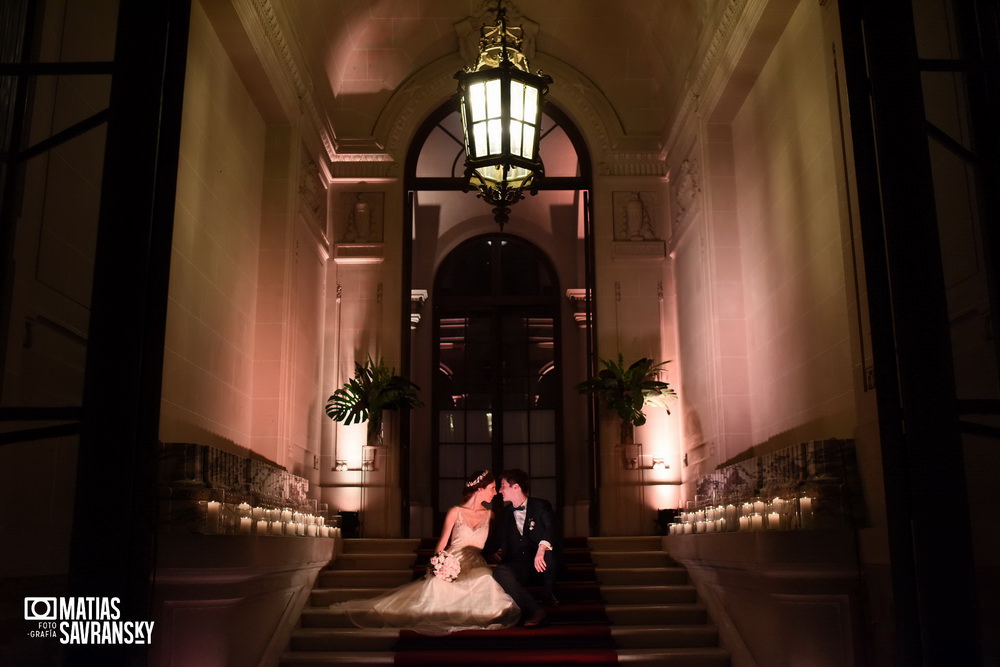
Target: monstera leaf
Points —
{"points": [[374, 388], [627, 389]]}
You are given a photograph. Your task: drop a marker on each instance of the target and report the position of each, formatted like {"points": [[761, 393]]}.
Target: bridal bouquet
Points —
{"points": [[446, 566]]}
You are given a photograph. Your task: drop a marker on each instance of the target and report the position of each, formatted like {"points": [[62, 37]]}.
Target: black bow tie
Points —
{"points": [[519, 509]]}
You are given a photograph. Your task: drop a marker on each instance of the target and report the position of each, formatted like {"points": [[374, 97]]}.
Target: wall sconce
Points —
{"points": [[368, 461], [634, 459], [501, 107]]}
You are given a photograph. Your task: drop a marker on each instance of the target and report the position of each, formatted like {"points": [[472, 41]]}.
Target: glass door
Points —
{"points": [[497, 392]]}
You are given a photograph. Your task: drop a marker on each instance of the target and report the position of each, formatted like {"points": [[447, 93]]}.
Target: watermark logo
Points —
{"points": [[40, 609], [84, 620]]}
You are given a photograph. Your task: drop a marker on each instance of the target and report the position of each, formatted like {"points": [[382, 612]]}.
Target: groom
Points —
{"points": [[523, 534]]}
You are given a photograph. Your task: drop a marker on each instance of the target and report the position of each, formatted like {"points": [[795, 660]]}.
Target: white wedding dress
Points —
{"points": [[434, 606]]}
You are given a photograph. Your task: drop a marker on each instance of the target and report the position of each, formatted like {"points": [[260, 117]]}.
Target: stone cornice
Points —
{"points": [[285, 70], [735, 27]]}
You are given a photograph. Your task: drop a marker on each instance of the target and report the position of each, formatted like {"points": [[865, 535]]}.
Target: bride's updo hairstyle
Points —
{"points": [[480, 479]]}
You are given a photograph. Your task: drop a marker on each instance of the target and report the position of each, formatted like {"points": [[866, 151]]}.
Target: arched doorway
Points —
{"points": [[549, 240], [497, 396]]}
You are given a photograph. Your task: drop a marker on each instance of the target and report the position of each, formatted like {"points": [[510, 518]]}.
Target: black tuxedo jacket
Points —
{"points": [[539, 525]]}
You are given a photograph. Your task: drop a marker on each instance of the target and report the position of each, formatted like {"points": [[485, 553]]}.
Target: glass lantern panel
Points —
{"points": [[493, 99], [517, 100], [529, 141], [495, 132], [517, 175], [516, 132], [531, 105], [479, 143], [477, 101]]}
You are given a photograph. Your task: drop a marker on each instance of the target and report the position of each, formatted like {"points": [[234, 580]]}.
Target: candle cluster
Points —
{"points": [[224, 518], [752, 515]]}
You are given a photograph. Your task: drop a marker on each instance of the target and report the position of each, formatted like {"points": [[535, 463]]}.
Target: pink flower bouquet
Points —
{"points": [[446, 566]]}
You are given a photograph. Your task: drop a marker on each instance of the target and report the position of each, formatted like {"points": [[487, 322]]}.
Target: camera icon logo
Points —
{"points": [[40, 609]]}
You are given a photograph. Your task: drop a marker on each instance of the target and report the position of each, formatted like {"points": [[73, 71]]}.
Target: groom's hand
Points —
{"points": [[540, 564]]}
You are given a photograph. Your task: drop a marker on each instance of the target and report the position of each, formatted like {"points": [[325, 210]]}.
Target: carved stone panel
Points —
{"points": [[361, 217], [634, 216], [686, 188], [312, 194]]}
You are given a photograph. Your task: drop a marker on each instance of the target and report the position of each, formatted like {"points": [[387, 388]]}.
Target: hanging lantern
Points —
{"points": [[501, 107]]}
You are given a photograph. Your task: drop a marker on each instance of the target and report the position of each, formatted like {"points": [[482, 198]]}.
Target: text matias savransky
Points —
{"points": [[85, 620]]}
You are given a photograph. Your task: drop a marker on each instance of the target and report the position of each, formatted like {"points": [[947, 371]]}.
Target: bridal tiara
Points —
{"points": [[477, 480]]}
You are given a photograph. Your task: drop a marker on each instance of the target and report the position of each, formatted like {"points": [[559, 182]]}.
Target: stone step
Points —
{"points": [[676, 657], [324, 617], [363, 578], [637, 543], [691, 636], [663, 657], [324, 597], [657, 614], [648, 594], [380, 545], [656, 576], [373, 561], [632, 559], [315, 658], [344, 639]]}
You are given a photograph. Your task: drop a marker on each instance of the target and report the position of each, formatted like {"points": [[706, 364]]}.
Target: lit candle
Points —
{"points": [[757, 521], [806, 511], [214, 511], [262, 526], [744, 523], [286, 515], [245, 525], [311, 529], [244, 508], [321, 520], [257, 513], [774, 521], [758, 506]]}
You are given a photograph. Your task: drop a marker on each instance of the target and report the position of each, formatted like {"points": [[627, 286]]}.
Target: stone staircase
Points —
{"points": [[365, 568], [652, 606]]}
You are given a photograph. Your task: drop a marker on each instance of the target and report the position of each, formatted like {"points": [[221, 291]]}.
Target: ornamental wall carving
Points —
{"points": [[361, 217], [634, 216], [686, 189]]}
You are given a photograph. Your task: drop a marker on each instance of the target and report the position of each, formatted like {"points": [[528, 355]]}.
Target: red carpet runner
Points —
{"points": [[577, 632]]}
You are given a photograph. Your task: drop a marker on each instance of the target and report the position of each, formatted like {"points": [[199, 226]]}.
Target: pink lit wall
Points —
{"points": [[764, 304], [208, 365], [793, 250]]}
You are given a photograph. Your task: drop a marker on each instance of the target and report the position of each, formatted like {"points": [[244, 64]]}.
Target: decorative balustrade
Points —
{"points": [[210, 491], [807, 486]]}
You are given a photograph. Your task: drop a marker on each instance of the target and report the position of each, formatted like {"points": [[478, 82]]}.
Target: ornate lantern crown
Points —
{"points": [[501, 107]]}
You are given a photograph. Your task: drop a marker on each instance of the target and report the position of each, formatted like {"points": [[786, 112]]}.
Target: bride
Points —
{"points": [[434, 605]]}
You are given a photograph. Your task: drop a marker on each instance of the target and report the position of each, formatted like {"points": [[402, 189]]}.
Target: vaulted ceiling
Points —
{"points": [[355, 53]]}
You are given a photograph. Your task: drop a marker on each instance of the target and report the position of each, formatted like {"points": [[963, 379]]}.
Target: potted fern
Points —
{"points": [[374, 388], [627, 389]]}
